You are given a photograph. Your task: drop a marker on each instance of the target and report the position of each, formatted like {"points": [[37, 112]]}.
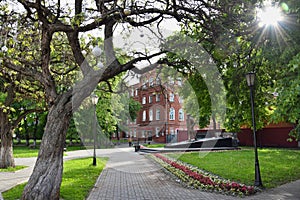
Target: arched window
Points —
{"points": [[144, 100], [157, 114], [172, 114], [181, 115], [144, 115], [150, 115], [172, 97]]}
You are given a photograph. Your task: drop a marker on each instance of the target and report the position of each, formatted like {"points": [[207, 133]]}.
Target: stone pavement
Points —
{"points": [[130, 175]]}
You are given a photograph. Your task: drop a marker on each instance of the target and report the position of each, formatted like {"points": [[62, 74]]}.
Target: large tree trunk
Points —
{"points": [[6, 149], [45, 180]]}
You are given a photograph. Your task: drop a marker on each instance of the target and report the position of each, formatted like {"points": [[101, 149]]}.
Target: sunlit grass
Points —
{"points": [[278, 166], [78, 179], [24, 152], [13, 169], [154, 145]]}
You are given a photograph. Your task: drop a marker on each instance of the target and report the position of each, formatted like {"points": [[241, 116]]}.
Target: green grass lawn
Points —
{"points": [[278, 166], [26, 152], [13, 169], [154, 145], [79, 177]]}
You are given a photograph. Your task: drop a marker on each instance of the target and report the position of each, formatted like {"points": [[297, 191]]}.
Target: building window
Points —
{"points": [[157, 98], [172, 97], [143, 134], [157, 131], [181, 115], [172, 114], [144, 100], [150, 115], [157, 114], [151, 82], [150, 99], [134, 133], [136, 92], [144, 115]]}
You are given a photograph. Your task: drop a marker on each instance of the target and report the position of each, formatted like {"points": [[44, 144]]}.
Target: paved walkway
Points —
{"points": [[129, 175]]}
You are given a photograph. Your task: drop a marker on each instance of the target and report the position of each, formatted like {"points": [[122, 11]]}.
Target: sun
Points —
{"points": [[269, 16], [271, 22]]}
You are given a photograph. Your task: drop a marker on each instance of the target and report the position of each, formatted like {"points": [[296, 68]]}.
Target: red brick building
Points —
{"points": [[161, 115]]}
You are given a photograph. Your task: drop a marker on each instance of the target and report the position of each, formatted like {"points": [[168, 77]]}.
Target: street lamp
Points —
{"points": [[250, 81], [94, 99]]}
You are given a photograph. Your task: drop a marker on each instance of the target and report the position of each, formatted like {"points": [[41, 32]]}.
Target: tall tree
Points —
{"points": [[72, 20], [15, 92]]}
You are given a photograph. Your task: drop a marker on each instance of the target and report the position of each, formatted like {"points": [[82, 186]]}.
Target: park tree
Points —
{"points": [[240, 46], [288, 98], [224, 45], [282, 49], [53, 18], [13, 95], [18, 94]]}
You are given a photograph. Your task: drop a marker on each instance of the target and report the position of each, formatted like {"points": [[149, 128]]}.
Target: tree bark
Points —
{"points": [[6, 152], [6, 149], [44, 183]]}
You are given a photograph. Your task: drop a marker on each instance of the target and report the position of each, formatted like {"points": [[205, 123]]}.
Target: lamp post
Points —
{"points": [[94, 99], [250, 81]]}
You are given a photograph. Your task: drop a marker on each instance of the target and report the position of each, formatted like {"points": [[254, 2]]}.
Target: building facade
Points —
{"points": [[162, 114]]}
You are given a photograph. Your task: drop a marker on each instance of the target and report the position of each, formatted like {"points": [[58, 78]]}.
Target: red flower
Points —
{"points": [[206, 180]]}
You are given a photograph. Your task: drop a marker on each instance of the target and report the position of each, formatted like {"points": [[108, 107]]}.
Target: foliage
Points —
{"points": [[46, 23], [79, 178], [288, 98], [237, 46]]}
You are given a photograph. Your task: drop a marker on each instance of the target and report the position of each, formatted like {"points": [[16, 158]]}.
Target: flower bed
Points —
{"points": [[200, 179]]}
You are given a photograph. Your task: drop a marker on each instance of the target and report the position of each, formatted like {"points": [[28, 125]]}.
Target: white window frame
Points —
{"points": [[144, 116], [157, 97], [157, 114], [172, 97], [181, 115], [172, 114], [144, 100], [150, 115], [150, 99]]}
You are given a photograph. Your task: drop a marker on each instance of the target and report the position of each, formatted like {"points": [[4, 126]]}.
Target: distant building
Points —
{"points": [[162, 114]]}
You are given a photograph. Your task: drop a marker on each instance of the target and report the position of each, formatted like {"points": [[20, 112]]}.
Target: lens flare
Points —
{"points": [[269, 16]]}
